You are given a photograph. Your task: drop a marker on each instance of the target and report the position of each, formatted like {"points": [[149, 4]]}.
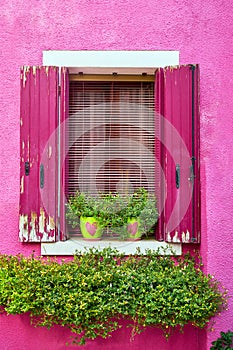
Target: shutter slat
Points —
{"points": [[64, 148]]}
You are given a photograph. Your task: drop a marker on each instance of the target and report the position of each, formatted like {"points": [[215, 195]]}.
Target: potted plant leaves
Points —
{"points": [[128, 216], [82, 209], [142, 214]]}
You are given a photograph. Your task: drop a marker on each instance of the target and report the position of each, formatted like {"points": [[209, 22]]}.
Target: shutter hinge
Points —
{"points": [[59, 89], [192, 67], [192, 175], [27, 168], [41, 176], [177, 175]]}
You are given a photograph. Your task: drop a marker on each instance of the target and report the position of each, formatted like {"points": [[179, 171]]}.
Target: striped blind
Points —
{"points": [[111, 137]]}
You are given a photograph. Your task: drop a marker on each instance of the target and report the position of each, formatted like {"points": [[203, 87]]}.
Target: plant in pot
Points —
{"points": [[113, 214], [129, 216], [142, 214], [83, 209]]}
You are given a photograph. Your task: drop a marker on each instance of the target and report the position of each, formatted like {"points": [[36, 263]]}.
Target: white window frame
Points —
{"points": [[108, 62]]}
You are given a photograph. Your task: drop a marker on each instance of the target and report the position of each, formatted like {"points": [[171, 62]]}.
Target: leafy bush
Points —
{"points": [[91, 293], [225, 342]]}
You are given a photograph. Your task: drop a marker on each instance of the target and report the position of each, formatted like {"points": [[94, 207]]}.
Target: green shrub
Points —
{"points": [[91, 293], [224, 342]]}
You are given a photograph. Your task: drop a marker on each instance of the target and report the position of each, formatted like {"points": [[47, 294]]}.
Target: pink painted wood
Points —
{"points": [[64, 147], [159, 179], [180, 137], [38, 174]]}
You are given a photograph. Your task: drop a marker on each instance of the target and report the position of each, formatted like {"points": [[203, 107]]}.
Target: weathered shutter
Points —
{"points": [[40, 112], [178, 91], [159, 178]]}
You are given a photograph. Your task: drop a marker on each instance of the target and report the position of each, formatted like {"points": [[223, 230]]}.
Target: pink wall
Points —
{"points": [[202, 32]]}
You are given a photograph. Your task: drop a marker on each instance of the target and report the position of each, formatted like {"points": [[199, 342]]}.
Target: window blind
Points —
{"points": [[111, 137]]}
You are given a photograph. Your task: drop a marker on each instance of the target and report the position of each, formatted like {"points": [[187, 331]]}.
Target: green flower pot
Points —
{"points": [[133, 229], [90, 228]]}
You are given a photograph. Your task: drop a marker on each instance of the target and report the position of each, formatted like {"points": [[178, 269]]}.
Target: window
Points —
{"points": [[117, 116], [51, 99], [111, 135]]}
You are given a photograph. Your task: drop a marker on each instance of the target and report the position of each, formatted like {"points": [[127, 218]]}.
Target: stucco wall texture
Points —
{"points": [[202, 32]]}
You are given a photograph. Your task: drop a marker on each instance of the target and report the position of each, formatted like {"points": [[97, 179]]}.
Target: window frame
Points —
{"points": [[109, 62]]}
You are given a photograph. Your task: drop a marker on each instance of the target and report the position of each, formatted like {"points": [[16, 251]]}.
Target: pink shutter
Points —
{"points": [[159, 164], [180, 219], [39, 154]]}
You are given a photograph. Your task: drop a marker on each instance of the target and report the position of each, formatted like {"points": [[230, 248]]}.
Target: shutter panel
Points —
{"points": [[180, 153], [159, 160], [38, 156]]}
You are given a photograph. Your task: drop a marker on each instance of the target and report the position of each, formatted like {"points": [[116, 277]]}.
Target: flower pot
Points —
{"points": [[133, 229], [90, 228]]}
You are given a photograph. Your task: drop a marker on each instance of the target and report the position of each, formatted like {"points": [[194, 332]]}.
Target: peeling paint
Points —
{"points": [[23, 228], [32, 227], [47, 70], [169, 237], [176, 239], [183, 237], [21, 121], [187, 236], [51, 224], [171, 68], [23, 145], [42, 221], [33, 222], [49, 151], [34, 69], [26, 70], [22, 185]]}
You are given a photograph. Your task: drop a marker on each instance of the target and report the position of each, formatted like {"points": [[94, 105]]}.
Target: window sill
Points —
{"points": [[74, 244]]}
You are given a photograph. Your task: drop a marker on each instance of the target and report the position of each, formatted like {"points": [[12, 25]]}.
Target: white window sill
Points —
{"points": [[71, 246]]}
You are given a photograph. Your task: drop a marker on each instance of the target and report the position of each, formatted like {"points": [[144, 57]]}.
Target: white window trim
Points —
{"points": [[105, 62], [106, 59]]}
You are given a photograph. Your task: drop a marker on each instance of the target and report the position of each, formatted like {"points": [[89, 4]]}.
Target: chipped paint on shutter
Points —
{"points": [[38, 120], [180, 157]]}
